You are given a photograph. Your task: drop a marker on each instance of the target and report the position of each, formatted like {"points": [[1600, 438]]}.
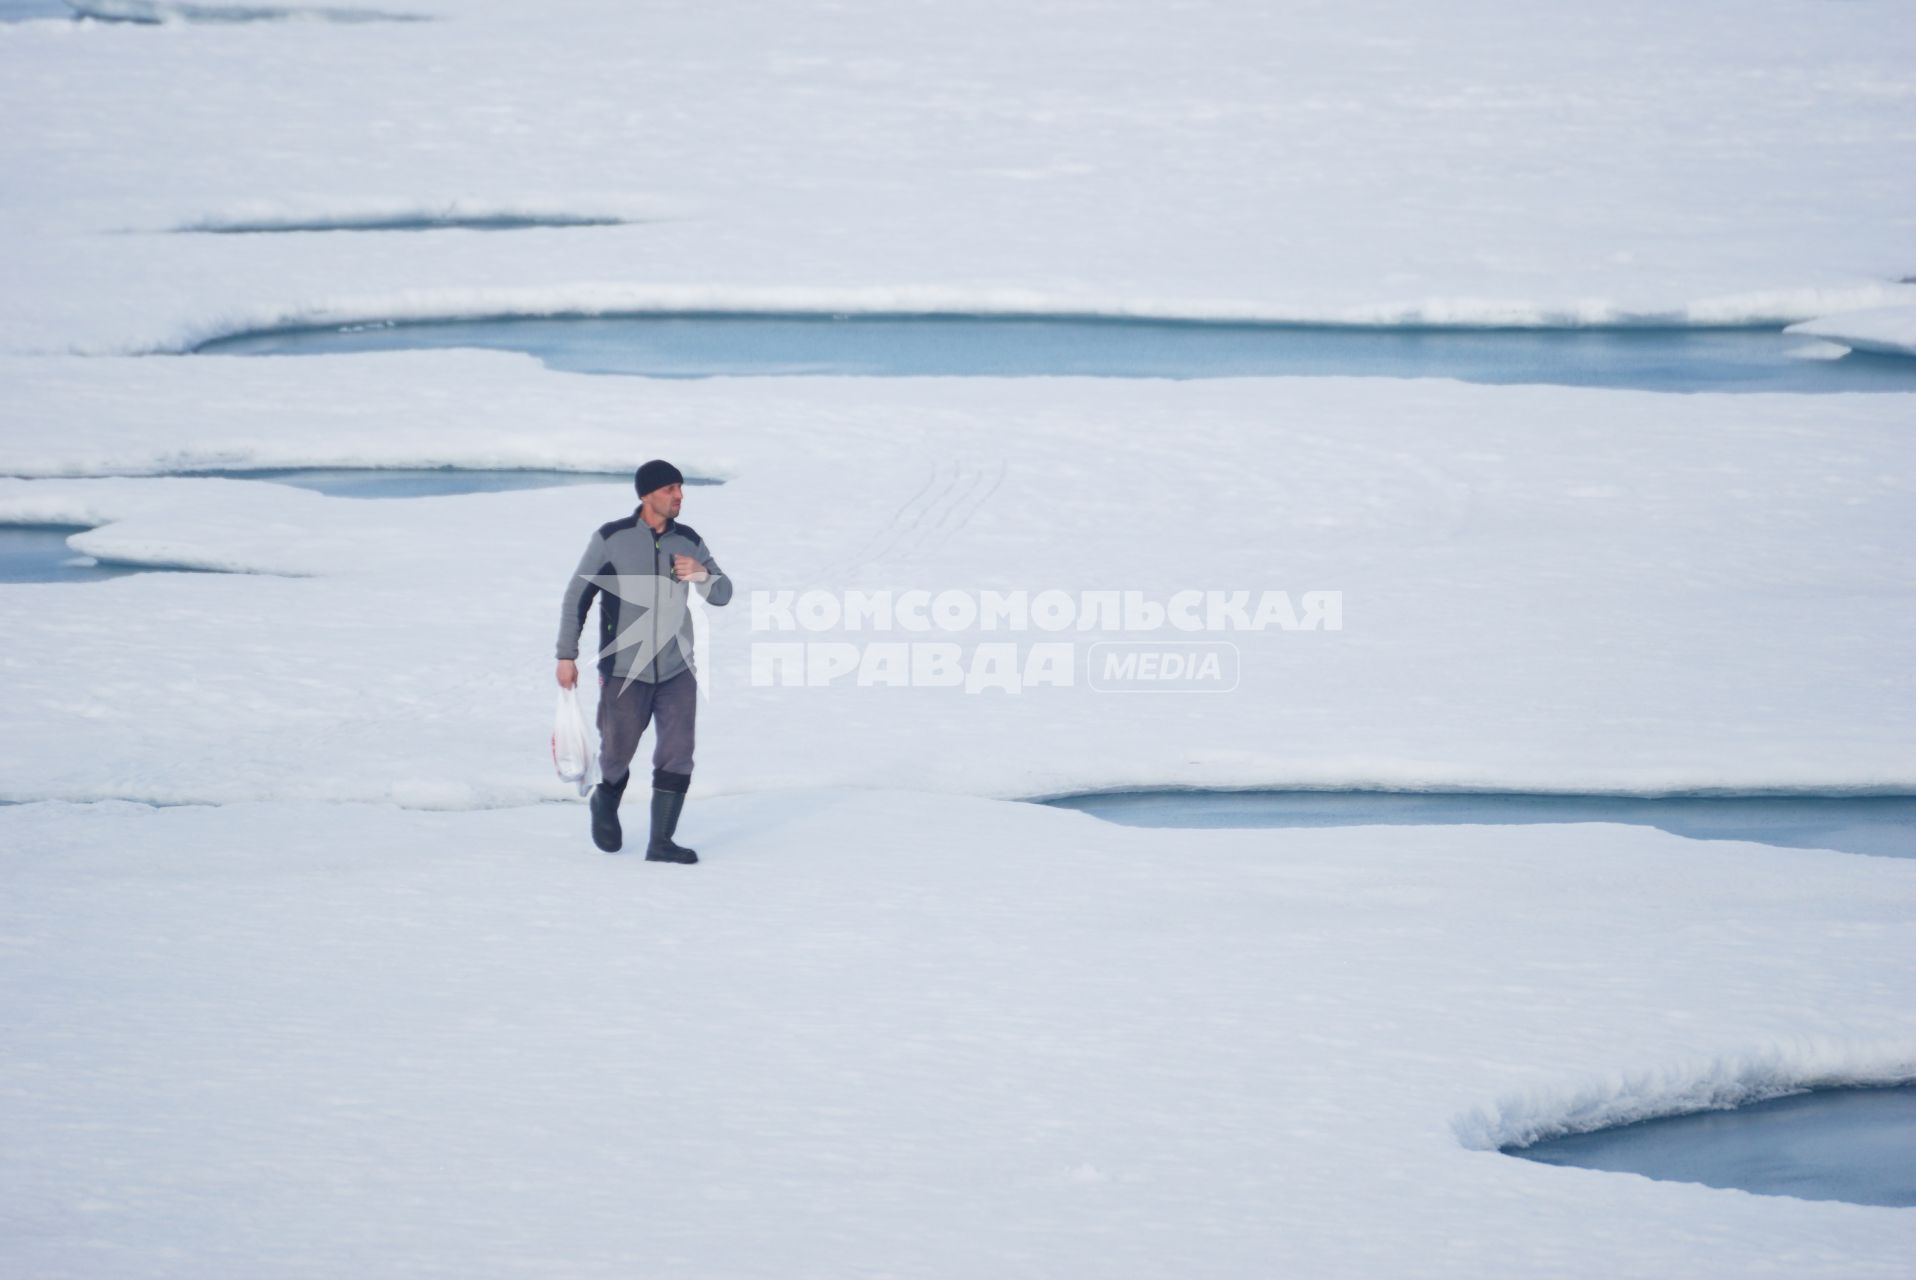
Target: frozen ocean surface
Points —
{"points": [[1517, 617], [307, 965], [960, 1030]]}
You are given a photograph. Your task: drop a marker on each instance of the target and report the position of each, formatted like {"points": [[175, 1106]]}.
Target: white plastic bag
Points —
{"points": [[572, 752]]}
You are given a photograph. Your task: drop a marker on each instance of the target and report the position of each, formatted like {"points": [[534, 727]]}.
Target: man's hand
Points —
{"points": [[686, 569], [568, 673]]}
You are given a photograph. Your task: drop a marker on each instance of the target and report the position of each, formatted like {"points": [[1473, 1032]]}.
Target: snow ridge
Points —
{"points": [[1707, 1084], [1889, 331]]}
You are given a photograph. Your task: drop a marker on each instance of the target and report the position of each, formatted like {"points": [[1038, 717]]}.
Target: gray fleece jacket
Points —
{"points": [[628, 569]]}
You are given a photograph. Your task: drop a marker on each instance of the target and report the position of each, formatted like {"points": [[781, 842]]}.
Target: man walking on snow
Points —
{"points": [[642, 569]]}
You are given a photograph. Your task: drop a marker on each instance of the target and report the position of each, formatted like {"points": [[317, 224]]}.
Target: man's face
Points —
{"points": [[664, 501]]}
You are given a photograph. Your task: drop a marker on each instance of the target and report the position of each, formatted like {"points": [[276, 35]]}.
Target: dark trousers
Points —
{"points": [[624, 712]]}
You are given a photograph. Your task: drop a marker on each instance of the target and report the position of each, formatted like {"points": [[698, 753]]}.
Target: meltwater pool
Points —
{"points": [[1883, 825], [1857, 1145], [697, 345]]}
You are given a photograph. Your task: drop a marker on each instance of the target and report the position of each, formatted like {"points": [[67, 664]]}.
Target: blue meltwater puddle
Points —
{"points": [[710, 345], [39, 553], [162, 12], [403, 222], [1857, 1145], [1880, 825], [27, 10], [416, 482], [388, 482]]}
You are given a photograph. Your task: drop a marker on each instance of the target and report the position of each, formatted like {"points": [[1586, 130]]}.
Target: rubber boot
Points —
{"points": [[605, 814], [665, 819]]}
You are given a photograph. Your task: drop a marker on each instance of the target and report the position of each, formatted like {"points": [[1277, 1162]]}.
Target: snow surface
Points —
{"points": [[362, 1003], [1543, 588], [887, 1033], [1385, 159]]}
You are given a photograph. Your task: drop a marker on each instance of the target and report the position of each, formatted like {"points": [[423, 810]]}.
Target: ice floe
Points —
{"points": [[1888, 330]]}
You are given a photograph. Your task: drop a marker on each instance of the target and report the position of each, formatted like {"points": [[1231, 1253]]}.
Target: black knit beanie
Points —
{"points": [[655, 475]]}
